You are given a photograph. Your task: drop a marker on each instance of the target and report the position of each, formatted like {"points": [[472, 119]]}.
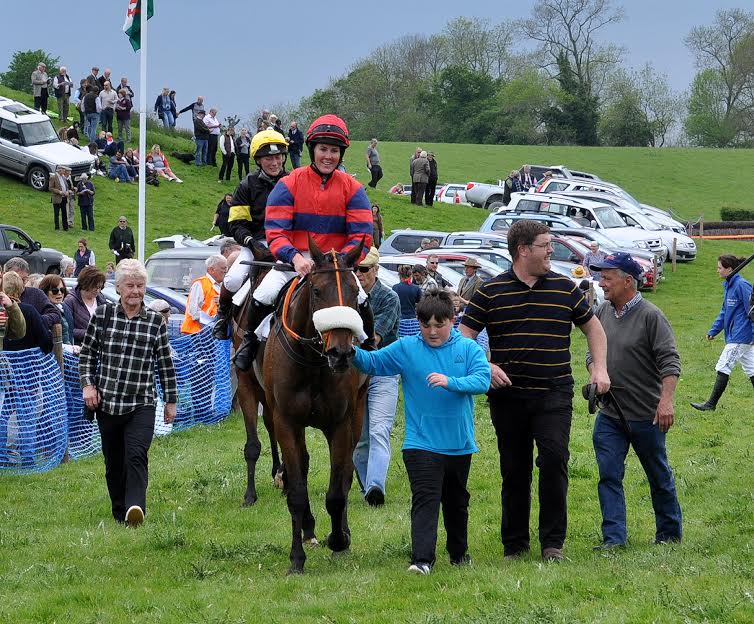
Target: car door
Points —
{"points": [[11, 153], [18, 244]]}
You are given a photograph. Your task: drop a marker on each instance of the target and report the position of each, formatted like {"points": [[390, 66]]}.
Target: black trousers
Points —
{"points": [[61, 210], [243, 164], [126, 439], [106, 120], [438, 479], [376, 175], [417, 192], [212, 150], [87, 217], [40, 101], [518, 423], [429, 192], [227, 167]]}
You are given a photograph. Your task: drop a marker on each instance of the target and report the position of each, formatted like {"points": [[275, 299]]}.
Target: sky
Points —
{"points": [[241, 57]]}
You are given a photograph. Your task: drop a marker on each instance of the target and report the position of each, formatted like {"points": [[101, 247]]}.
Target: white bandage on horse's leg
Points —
{"points": [[339, 317]]}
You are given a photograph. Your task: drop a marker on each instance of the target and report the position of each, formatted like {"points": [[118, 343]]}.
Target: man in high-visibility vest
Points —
{"points": [[201, 307]]}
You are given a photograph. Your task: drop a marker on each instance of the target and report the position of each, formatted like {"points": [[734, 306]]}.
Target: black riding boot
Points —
{"points": [[248, 350], [367, 317], [224, 313], [710, 404]]}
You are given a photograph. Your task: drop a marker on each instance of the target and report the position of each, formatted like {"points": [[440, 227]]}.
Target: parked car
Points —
{"points": [[475, 239], [501, 221], [452, 194], [561, 171], [30, 147], [15, 242], [607, 244], [177, 268], [408, 241]]}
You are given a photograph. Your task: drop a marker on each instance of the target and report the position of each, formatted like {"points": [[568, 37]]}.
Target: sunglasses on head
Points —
{"points": [[362, 269], [57, 291]]}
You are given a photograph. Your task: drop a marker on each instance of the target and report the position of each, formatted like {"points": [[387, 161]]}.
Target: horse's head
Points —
{"points": [[333, 295]]}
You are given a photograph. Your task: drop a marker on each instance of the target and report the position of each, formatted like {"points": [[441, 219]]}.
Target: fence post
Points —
{"points": [[57, 344], [701, 228], [675, 251], [689, 228]]}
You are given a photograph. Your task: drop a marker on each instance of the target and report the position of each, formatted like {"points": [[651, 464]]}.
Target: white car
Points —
{"points": [[452, 194]]}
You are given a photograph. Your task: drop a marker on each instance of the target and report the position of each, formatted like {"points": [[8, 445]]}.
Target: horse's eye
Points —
{"points": [[316, 292]]}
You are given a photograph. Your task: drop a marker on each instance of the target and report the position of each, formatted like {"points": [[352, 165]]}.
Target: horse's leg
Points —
{"points": [[308, 521], [253, 447], [341, 474], [277, 466], [293, 445]]}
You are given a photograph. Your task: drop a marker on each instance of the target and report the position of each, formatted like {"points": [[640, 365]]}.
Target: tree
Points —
{"points": [[21, 66], [709, 123], [623, 122]]}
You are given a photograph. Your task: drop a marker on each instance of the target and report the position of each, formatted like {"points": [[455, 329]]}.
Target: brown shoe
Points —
{"points": [[552, 554]]}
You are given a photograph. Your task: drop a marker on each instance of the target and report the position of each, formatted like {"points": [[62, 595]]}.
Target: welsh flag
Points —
{"points": [[132, 27]]}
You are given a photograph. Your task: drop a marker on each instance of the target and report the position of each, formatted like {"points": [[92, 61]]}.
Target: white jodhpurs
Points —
{"points": [[734, 353], [238, 273]]}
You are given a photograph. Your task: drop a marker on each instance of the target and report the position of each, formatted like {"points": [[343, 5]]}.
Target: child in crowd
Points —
{"points": [[441, 372]]}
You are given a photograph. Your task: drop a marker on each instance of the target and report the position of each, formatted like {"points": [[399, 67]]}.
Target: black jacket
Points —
{"points": [[201, 131], [120, 238], [432, 170], [37, 334], [296, 137], [39, 301], [252, 192]]}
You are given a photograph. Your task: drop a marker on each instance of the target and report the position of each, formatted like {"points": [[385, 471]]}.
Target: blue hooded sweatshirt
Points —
{"points": [[733, 317], [437, 419]]}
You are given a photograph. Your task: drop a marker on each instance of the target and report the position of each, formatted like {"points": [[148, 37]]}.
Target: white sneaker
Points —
{"points": [[179, 181], [420, 568], [134, 516]]}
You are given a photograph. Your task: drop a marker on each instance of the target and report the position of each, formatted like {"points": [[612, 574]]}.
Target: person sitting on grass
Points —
{"points": [[441, 372], [99, 166], [160, 163], [119, 169]]}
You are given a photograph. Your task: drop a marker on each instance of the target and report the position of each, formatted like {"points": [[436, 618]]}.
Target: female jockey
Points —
{"points": [[246, 219], [320, 201]]}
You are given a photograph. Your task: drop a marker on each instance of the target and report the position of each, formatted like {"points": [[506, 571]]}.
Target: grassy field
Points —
{"points": [[201, 557]]}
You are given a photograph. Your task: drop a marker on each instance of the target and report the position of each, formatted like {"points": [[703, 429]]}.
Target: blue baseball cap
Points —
{"points": [[620, 260]]}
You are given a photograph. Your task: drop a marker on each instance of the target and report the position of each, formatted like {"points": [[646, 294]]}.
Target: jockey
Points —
{"points": [[320, 201], [269, 150]]}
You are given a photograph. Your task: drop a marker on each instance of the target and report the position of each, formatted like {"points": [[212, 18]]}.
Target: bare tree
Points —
{"points": [[570, 27]]}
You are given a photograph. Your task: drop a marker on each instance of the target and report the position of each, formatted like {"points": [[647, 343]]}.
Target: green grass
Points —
{"points": [[201, 557]]}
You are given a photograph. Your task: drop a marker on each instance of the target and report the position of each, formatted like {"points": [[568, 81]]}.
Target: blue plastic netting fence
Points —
{"points": [[41, 409]]}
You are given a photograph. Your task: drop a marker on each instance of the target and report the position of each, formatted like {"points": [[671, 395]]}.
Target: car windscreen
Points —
{"points": [[645, 222], [38, 133], [608, 217], [175, 273]]}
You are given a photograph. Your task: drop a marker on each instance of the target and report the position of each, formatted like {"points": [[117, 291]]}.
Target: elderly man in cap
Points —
{"points": [[592, 257], [643, 365], [39, 84], [61, 196], [371, 457], [471, 282]]}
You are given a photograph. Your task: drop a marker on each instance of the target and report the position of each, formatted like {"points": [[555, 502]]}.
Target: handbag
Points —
{"points": [[91, 414]]}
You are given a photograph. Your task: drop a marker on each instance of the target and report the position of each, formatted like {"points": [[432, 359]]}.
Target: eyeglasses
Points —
{"points": [[57, 291], [122, 221], [542, 245], [432, 263], [362, 269]]}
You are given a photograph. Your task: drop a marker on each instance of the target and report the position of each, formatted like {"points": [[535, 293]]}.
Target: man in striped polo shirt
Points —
{"points": [[528, 312]]}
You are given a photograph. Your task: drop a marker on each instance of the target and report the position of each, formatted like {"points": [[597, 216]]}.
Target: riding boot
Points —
{"points": [[224, 313], [246, 353], [752, 380], [710, 404], [367, 317]]}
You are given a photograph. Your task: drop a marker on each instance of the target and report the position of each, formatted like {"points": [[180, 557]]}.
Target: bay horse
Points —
{"points": [[250, 392], [310, 382]]}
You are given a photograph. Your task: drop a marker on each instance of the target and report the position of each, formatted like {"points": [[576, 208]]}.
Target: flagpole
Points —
{"points": [[143, 14]]}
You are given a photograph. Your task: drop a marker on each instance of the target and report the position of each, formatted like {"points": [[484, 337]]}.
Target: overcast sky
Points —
{"points": [[242, 58]]}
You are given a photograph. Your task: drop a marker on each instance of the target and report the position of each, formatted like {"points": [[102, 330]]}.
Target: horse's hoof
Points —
{"points": [[295, 570], [313, 542], [277, 481], [248, 501], [338, 546]]}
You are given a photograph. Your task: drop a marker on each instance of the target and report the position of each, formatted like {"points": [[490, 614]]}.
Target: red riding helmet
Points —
{"points": [[328, 129]]}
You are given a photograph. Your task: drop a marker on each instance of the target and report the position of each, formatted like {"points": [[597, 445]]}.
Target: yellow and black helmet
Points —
{"points": [[268, 143]]}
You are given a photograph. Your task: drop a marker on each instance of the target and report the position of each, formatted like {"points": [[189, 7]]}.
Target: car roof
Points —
{"points": [[417, 232], [185, 252], [560, 198], [19, 112]]}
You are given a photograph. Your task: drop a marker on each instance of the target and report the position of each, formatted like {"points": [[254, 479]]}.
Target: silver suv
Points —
{"points": [[30, 148]]}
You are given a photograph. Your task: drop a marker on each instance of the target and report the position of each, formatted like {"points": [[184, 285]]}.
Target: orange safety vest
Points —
{"points": [[189, 325]]}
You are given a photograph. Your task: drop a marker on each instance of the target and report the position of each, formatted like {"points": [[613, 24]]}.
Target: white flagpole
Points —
{"points": [[142, 129]]}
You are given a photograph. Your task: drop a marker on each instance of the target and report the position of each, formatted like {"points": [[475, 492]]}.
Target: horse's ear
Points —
{"points": [[355, 254], [317, 255]]}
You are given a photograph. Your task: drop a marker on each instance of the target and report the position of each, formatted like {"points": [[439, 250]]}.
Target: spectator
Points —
{"points": [[108, 97], [127, 88], [37, 334], [592, 257], [378, 230], [201, 137], [67, 266], [99, 166], [84, 299], [644, 367], [397, 189], [92, 79], [105, 77], [421, 279], [110, 146], [371, 456], [429, 192], [78, 99], [201, 307], [123, 108], [470, 283], [295, 144], [512, 184], [164, 108], [222, 213], [528, 179], [62, 85], [432, 263], [411, 160], [161, 166], [132, 163], [119, 169], [12, 325], [54, 287], [527, 405], [61, 195], [373, 163], [110, 271], [118, 380], [278, 126], [425, 244], [33, 296], [73, 132], [213, 125], [441, 372], [419, 177], [735, 323], [83, 257], [228, 150], [39, 83], [121, 241], [33, 280], [408, 293], [173, 108], [243, 147], [91, 106], [194, 107]]}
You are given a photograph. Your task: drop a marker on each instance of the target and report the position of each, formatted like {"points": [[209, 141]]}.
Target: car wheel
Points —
{"points": [[495, 199], [495, 206], [38, 178], [53, 270]]}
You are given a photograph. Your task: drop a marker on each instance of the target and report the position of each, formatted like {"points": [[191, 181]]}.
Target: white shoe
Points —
{"points": [[420, 568], [134, 516], [179, 181]]}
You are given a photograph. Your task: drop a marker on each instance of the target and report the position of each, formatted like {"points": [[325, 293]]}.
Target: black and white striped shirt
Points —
{"points": [[132, 347]]}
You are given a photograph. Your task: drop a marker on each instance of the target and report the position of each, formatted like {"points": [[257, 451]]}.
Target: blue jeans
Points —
{"points": [[200, 158], [120, 172], [611, 447], [90, 126], [295, 159], [371, 457], [168, 121]]}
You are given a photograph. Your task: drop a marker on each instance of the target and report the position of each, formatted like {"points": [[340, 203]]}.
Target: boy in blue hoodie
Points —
{"points": [[441, 372]]}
